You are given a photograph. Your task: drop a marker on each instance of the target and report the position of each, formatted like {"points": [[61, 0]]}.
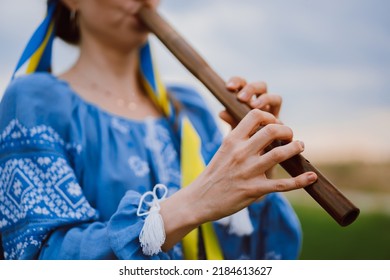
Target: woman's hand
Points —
{"points": [[235, 177], [255, 95]]}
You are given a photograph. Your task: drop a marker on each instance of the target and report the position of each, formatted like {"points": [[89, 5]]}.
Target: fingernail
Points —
{"points": [[302, 145], [257, 103], [231, 84], [312, 177], [243, 95]]}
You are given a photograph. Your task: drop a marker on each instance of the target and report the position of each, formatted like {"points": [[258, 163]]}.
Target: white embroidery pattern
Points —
{"points": [[165, 156], [120, 126], [36, 187], [139, 166], [15, 134]]}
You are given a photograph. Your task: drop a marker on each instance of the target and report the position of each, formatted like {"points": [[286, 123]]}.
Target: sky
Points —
{"points": [[328, 59]]}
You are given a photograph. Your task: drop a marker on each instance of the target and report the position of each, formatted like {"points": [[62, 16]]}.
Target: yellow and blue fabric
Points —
{"points": [[71, 176], [38, 51]]}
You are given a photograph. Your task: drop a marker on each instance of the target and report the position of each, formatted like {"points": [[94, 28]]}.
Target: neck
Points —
{"points": [[109, 67], [109, 78]]}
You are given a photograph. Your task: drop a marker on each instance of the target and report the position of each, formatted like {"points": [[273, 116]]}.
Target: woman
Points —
{"points": [[102, 162]]}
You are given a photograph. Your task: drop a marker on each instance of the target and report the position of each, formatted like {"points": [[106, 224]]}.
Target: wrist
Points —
{"points": [[180, 216]]}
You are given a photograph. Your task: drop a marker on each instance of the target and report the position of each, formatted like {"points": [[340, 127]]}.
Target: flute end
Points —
{"points": [[350, 217]]}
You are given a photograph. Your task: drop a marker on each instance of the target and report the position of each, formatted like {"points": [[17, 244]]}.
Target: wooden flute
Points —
{"points": [[343, 211]]}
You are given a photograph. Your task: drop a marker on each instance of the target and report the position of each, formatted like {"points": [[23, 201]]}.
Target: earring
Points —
{"points": [[73, 14], [74, 20]]}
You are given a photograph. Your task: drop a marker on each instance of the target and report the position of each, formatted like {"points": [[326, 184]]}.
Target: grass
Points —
{"points": [[368, 238]]}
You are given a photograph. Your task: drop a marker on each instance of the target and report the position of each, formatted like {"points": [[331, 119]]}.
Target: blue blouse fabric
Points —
{"points": [[72, 174]]}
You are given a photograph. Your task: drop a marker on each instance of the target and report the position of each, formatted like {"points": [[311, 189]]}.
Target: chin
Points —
{"points": [[133, 41]]}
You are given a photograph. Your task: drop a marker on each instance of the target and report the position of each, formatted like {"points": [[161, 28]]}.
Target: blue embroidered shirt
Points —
{"points": [[72, 174]]}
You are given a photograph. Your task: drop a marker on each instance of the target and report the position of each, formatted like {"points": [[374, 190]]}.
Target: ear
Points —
{"points": [[72, 5]]}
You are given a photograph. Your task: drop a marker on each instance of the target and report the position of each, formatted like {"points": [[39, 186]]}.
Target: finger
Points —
{"points": [[272, 101], [252, 89], [224, 115], [235, 83], [268, 134], [267, 99], [287, 184], [280, 154], [251, 122]]}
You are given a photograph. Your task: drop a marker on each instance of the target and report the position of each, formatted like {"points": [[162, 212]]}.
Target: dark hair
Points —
{"points": [[66, 27]]}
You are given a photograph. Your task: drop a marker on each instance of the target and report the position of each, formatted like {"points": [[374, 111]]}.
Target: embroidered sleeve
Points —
{"points": [[43, 211], [38, 189]]}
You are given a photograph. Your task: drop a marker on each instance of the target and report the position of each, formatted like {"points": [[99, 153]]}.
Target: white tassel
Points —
{"points": [[152, 235], [239, 223]]}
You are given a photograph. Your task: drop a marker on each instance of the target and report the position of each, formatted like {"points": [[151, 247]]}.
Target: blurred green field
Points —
{"points": [[368, 238]]}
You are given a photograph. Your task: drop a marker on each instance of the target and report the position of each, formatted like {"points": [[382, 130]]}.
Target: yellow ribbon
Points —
{"points": [[37, 56], [192, 165]]}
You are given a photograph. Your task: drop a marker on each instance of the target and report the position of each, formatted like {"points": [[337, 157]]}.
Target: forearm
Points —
{"points": [[180, 216]]}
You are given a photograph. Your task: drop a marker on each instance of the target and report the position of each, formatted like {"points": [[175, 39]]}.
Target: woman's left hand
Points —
{"points": [[255, 95]]}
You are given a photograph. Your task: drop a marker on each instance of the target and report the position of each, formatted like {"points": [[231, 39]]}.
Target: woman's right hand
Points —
{"points": [[235, 177]]}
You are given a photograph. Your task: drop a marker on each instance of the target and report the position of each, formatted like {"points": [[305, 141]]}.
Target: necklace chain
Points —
{"points": [[119, 101]]}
